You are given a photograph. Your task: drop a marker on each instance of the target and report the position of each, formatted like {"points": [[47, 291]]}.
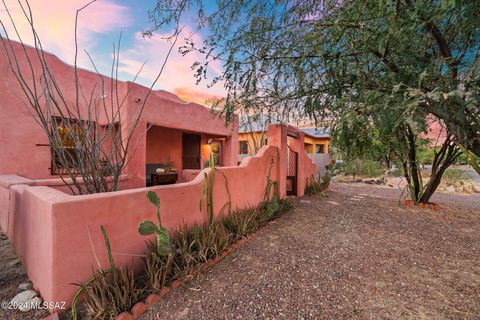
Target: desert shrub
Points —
{"points": [[210, 240], [363, 167], [242, 222], [185, 254], [317, 186], [159, 269], [453, 175], [245, 221], [110, 293]]}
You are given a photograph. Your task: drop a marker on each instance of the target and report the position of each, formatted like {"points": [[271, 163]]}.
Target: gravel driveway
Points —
{"points": [[355, 254]]}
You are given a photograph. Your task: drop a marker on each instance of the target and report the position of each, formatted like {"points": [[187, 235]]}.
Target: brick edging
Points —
{"points": [[141, 307], [432, 206]]}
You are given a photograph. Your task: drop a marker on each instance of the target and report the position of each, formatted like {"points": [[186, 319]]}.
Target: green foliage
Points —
{"points": [[453, 175], [472, 159], [109, 292], [148, 228], [316, 187], [157, 268], [317, 59], [363, 167]]}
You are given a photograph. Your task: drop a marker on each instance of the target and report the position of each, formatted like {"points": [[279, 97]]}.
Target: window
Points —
{"points": [[320, 148], [243, 147], [69, 136]]}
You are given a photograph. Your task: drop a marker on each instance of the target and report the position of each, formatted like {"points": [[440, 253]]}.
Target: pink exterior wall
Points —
{"points": [[58, 236], [164, 145], [281, 136], [51, 230], [25, 150]]}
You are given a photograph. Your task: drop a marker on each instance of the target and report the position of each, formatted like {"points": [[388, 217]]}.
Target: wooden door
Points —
{"points": [[191, 156]]}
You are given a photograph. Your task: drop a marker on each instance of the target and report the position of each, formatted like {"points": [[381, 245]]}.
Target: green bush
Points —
{"points": [[453, 175], [364, 167], [189, 247], [109, 292], [315, 187]]}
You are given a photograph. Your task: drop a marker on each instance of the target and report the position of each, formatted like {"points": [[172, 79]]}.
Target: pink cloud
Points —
{"points": [[177, 72], [55, 19]]}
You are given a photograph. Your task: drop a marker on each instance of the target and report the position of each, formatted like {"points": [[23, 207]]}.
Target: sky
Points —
{"points": [[99, 27]]}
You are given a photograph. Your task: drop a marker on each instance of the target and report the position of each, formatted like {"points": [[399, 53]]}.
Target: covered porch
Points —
{"points": [[175, 155]]}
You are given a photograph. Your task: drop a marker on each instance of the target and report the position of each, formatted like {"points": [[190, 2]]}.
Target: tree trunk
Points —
{"points": [[444, 158], [387, 161]]}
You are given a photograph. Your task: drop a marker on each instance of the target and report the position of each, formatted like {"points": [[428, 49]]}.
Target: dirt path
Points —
{"points": [[356, 254]]}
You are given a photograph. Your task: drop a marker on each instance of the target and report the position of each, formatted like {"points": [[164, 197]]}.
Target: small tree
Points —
{"points": [[357, 133], [91, 139]]}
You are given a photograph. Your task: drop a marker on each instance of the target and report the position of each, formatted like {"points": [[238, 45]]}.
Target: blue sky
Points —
{"points": [[99, 27]]}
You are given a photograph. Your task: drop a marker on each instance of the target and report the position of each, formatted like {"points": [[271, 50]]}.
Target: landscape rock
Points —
{"points": [[26, 300], [25, 286], [476, 188], [13, 263], [450, 189], [24, 296], [31, 304]]}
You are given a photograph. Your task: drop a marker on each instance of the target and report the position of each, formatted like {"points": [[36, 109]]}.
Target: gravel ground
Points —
{"points": [[356, 254]]}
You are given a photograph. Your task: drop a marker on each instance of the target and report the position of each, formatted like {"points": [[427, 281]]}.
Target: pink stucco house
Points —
{"points": [[180, 132], [57, 235]]}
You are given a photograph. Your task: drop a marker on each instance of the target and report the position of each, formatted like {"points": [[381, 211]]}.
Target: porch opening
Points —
{"points": [[176, 155]]}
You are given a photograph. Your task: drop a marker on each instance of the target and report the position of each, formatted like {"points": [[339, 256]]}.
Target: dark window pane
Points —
{"points": [[243, 147]]}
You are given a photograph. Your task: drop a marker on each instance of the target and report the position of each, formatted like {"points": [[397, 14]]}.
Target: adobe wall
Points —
{"points": [[25, 147], [58, 237]]}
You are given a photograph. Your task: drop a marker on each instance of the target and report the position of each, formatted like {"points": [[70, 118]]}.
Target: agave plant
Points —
{"points": [[109, 292], [185, 253], [242, 222], [159, 269]]}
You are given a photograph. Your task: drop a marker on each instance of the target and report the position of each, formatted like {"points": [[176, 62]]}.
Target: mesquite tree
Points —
{"points": [[91, 138], [308, 57], [400, 60], [356, 133]]}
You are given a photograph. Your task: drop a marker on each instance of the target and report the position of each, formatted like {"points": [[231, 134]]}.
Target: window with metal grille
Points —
{"points": [[70, 135]]}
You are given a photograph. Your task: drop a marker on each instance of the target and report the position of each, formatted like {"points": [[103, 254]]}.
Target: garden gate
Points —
{"points": [[292, 168]]}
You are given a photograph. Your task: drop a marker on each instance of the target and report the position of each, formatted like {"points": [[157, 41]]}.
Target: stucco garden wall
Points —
{"points": [[58, 235]]}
